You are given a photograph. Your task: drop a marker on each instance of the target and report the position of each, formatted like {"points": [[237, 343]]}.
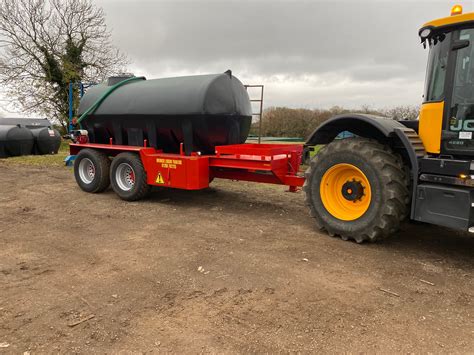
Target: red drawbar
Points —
{"points": [[267, 163]]}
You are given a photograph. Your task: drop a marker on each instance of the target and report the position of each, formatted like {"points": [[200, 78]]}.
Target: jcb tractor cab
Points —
{"points": [[362, 188], [447, 113]]}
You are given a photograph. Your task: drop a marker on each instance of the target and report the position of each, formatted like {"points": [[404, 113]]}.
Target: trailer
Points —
{"points": [[179, 133], [133, 170]]}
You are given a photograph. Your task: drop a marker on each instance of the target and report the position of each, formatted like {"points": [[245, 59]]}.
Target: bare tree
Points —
{"points": [[45, 44], [406, 112]]}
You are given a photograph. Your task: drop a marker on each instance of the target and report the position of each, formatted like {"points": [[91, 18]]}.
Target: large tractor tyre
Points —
{"points": [[306, 158], [91, 170], [128, 177], [357, 188]]}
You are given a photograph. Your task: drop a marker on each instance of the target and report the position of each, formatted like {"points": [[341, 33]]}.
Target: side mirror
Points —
{"points": [[459, 44]]}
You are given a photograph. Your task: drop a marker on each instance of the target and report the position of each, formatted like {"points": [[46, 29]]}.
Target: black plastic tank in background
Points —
{"points": [[201, 111], [47, 141], [15, 141]]}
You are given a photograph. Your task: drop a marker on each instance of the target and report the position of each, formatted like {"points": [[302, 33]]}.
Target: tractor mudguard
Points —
{"points": [[382, 129], [399, 137], [363, 125]]}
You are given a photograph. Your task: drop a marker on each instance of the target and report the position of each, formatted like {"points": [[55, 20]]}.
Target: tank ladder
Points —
{"points": [[258, 114]]}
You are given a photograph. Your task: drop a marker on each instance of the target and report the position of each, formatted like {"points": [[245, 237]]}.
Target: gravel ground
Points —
{"points": [[236, 268]]}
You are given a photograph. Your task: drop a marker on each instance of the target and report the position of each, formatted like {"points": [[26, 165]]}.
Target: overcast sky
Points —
{"points": [[312, 54]]}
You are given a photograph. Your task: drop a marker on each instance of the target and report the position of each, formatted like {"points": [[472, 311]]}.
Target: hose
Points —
{"points": [[96, 104]]}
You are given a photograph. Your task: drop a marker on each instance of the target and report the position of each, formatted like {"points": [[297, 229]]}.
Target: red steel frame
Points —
{"points": [[267, 163]]}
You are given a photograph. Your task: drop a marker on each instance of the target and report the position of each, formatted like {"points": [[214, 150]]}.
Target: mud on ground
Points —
{"points": [[235, 268]]}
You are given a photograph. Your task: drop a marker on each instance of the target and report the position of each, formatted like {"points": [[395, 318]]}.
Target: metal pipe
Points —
{"points": [[260, 118]]}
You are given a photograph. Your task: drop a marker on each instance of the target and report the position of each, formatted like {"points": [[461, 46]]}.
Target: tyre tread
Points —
{"points": [[392, 173], [143, 187], [103, 167]]}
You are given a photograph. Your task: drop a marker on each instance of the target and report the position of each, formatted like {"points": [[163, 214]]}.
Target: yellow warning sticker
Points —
{"points": [[159, 179], [170, 161]]}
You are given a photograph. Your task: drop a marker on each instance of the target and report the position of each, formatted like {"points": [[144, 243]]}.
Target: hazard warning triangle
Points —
{"points": [[159, 179]]}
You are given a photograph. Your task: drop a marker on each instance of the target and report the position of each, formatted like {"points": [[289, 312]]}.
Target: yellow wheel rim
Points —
{"points": [[345, 192]]}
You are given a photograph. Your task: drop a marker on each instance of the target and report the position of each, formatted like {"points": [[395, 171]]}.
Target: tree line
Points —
{"points": [[290, 122]]}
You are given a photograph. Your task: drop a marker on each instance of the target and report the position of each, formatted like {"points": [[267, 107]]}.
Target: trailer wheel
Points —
{"points": [[357, 188], [128, 177], [91, 170]]}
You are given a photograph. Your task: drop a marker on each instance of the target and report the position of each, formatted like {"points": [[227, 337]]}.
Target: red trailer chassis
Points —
{"points": [[265, 163]]}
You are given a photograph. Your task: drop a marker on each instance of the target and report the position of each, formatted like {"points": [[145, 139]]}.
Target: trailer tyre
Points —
{"points": [[356, 188], [91, 170], [128, 177]]}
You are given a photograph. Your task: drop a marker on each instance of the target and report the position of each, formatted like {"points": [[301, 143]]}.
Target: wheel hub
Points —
{"points": [[345, 192], [125, 177], [86, 170], [353, 190]]}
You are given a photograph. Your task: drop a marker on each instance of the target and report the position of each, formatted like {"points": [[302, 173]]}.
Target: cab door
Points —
{"points": [[458, 128], [432, 111]]}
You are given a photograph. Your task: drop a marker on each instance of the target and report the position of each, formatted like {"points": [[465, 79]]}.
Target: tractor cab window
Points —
{"points": [[437, 65], [461, 118]]}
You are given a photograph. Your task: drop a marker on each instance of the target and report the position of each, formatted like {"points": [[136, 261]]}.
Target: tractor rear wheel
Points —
{"points": [[356, 188], [128, 177], [91, 170]]}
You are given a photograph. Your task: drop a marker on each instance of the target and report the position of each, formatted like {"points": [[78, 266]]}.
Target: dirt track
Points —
{"points": [[221, 270]]}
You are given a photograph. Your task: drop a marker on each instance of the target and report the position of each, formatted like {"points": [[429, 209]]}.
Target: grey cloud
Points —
{"points": [[307, 53], [326, 35]]}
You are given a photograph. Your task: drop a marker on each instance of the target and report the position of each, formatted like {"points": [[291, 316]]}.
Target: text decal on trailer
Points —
{"points": [[169, 163]]}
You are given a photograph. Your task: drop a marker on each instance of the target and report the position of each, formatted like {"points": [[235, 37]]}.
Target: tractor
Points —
{"points": [[362, 188]]}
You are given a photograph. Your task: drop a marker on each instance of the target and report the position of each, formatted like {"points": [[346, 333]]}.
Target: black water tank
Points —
{"points": [[201, 111], [47, 140], [15, 141]]}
